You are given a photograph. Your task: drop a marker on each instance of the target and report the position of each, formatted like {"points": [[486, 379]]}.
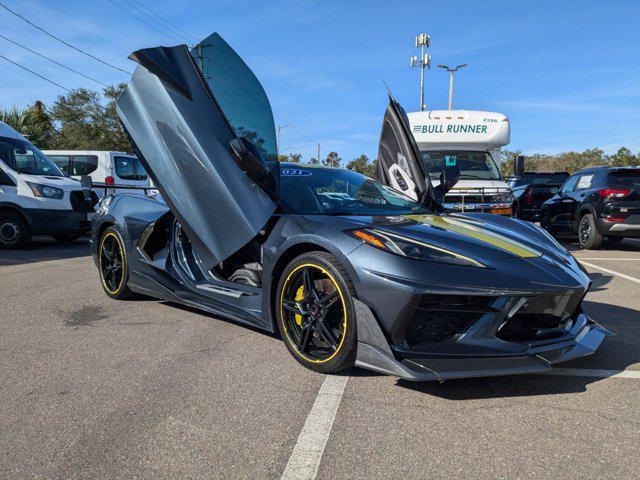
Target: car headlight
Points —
{"points": [[409, 247], [45, 191]]}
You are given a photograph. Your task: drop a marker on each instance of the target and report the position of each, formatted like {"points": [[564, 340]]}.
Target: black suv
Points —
{"points": [[531, 189], [595, 203]]}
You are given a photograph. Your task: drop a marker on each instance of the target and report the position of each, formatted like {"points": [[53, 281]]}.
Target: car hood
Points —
{"points": [[495, 241], [64, 183]]}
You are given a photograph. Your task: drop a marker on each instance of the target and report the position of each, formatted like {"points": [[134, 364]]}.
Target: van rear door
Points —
{"points": [[127, 170]]}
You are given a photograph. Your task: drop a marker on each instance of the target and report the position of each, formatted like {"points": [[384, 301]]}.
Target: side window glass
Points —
{"points": [[5, 179], [84, 164], [62, 161], [569, 184], [129, 168], [584, 182]]}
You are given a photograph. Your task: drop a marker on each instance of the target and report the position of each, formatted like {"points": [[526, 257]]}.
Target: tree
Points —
{"points": [[33, 122], [332, 160], [313, 161], [294, 157], [88, 120], [625, 158], [362, 165]]}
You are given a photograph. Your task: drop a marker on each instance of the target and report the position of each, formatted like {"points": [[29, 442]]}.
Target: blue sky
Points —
{"points": [[567, 73]]}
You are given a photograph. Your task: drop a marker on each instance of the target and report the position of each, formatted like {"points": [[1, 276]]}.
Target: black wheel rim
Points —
{"points": [[585, 231], [313, 313], [9, 233], [111, 263]]}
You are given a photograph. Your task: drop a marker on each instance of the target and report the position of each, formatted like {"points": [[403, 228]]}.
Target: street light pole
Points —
{"points": [[280, 127], [451, 72], [423, 41]]}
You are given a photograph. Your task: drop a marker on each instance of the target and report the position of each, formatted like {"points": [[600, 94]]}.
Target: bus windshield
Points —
{"points": [[473, 165]]}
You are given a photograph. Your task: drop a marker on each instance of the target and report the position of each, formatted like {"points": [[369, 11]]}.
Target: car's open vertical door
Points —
{"points": [[399, 164], [182, 109]]}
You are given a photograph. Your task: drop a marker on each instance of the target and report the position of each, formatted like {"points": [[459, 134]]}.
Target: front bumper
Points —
{"points": [[374, 353], [57, 222]]}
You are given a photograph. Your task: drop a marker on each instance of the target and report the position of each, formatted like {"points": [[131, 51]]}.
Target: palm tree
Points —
{"points": [[33, 122]]}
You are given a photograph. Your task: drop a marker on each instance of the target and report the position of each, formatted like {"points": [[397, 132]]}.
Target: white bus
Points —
{"points": [[474, 139]]}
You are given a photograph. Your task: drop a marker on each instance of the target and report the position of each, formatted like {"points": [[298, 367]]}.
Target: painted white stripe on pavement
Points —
{"points": [[588, 372], [606, 270], [305, 459], [603, 258]]}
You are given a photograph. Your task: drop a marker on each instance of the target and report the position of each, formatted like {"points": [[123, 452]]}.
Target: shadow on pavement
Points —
{"points": [[626, 245], [44, 248], [600, 280], [615, 354]]}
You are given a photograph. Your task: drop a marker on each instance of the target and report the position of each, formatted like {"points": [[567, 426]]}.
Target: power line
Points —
{"points": [[165, 20], [145, 22], [34, 73], [62, 41], [168, 27], [53, 61]]}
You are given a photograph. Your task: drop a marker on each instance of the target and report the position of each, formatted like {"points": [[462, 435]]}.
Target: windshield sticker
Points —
{"points": [[295, 172], [450, 161]]}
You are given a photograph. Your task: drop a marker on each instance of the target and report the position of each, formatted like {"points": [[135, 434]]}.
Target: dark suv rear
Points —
{"points": [[595, 203], [531, 190]]}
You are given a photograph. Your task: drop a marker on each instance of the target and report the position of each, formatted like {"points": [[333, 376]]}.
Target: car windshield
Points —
{"points": [[23, 157], [541, 179], [333, 191], [473, 165], [630, 178]]}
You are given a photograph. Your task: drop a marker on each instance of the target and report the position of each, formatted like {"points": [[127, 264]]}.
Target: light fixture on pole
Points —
{"points": [[423, 41], [451, 72]]}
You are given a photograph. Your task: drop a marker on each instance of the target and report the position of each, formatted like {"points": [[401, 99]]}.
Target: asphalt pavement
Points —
{"points": [[96, 388]]}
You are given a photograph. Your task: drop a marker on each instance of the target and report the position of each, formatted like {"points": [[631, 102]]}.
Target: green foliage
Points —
{"points": [[33, 122], [313, 161], [569, 161], [332, 160], [294, 157], [362, 165]]}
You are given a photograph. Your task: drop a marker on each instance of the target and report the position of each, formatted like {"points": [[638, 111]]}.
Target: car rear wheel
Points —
{"points": [[14, 231], [316, 317], [588, 235], [112, 264]]}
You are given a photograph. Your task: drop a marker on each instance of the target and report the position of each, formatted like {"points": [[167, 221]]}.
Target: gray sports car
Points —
{"points": [[348, 270]]}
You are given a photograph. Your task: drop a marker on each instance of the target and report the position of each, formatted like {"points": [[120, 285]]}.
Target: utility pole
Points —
{"points": [[423, 41], [451, 72], [280, 127], [318, 152]]}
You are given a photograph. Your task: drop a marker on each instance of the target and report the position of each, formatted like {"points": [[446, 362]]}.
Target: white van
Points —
{"points": [[35, 196], [104, 168], [473, 139]]}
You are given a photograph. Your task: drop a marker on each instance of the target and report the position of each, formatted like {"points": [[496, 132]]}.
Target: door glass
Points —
{"points": [[239, 94], [129, 168], [84, 164], [569, 184], [62, 161]]}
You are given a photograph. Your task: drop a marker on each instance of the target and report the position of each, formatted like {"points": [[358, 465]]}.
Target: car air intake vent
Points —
{"points": [[80, 204], [440, 317]]}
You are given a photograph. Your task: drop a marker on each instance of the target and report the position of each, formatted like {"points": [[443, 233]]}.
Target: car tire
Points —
{"points": [[545, 221], [588, 235], [113, 265], [14, 231], [67, 238], [318, 328]]}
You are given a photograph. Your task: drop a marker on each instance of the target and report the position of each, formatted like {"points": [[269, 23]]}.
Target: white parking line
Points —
{"points": [[305, 459], [590, 372], [606, 270], [602, 258]]}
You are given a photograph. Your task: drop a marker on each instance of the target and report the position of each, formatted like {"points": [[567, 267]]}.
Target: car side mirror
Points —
{"points": [[250, 159], [518, 166]]}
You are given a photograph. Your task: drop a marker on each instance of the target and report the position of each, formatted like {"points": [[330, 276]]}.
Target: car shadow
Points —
{"points": [[615, 354], [600, 281], [43, 249]]}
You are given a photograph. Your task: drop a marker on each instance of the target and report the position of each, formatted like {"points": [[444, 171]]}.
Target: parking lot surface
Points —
{"points": [[96, 388]]}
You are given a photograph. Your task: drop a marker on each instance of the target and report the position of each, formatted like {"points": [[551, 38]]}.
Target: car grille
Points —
{"points": [[80, 204], [437, 318]]}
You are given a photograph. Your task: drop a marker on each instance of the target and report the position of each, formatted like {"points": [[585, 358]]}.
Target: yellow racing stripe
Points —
{"points": [[471, 230]]}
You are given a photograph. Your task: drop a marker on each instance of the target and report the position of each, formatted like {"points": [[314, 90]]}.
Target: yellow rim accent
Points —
{"points": [[470, 229], [344, 310], [104, 284]]}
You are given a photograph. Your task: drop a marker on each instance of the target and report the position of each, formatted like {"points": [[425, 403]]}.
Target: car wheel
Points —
{"points": [[316, 317], [112, 265], [588, 235], [68, 238], [14, 231]]}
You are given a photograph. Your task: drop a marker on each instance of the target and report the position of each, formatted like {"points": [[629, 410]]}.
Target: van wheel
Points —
{"points": [[14, 231], [113, 267], [588, 235], [66, 238]]}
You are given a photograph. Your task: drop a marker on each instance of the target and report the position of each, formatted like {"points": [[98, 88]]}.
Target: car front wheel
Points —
{"points": [[14, 231], [315, 313], [588, 235], [112, 263]]}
